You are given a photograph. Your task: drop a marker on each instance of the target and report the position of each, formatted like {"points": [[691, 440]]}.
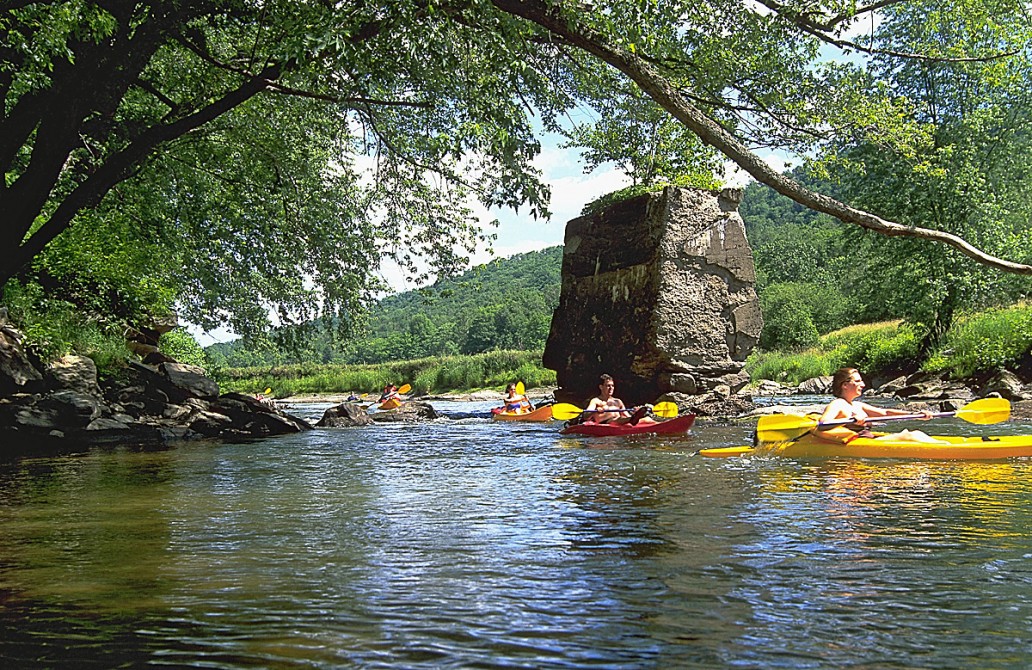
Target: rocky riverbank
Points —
{"points": [[67, 403]]}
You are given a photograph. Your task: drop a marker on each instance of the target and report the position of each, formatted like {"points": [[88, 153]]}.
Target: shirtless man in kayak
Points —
{"points": [[595, 413]]}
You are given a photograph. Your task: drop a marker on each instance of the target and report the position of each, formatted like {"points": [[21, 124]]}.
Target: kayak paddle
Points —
{"points": [[788, 427], [565, 411]]}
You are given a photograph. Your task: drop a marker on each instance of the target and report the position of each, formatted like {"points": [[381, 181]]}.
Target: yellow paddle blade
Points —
{"points": [[986, 411], [783, 427], [269, 390], [520, 388], [405, 388], [565, 411], [667, 410]]}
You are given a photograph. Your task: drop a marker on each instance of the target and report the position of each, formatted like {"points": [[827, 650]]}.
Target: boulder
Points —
{"points": [[140, 404], [1007, 385], [189, 381], [345, 415], [410, 412], [816, 386], [75, 373], [255, 418], [17, 374], [658, 291]]}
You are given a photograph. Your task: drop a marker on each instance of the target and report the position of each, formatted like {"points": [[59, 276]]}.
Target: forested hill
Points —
{"points": [[504, 304]]}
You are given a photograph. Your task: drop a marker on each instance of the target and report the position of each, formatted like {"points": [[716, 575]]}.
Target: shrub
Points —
{"points": [[181, 346], [984, 342], [704, 181], [787, 319]]}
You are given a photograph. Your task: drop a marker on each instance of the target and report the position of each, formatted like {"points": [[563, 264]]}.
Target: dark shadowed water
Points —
{"points": [[470, 544]]}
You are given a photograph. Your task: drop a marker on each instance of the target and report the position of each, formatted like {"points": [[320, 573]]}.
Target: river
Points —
{"points": [[464, 543]]}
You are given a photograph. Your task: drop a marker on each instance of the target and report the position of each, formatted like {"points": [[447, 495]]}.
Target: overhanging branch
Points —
{"points": [[553, 19]]}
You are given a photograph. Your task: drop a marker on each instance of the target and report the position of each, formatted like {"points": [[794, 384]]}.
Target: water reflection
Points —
{"points": [[875, 559], [466, 543]]}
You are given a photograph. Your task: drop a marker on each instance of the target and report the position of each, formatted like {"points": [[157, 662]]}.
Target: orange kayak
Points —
{"points": [[390, 403], [539, 414]]}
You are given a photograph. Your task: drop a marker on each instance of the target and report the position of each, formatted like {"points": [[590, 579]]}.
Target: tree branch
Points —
{"points": [[821, 30], [659, 89], [324, 97]]}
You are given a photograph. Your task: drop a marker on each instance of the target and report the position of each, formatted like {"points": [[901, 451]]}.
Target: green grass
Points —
{"points": [[984, 342], [447, 374], [977, 344], [868, 347]]}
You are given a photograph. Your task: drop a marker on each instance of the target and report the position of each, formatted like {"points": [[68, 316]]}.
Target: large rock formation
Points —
{"points": [[658, 291]]}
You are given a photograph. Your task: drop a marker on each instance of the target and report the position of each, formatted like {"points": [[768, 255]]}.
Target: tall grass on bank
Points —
{"points": [[976, 344], [984, 342], [426, 375], [887, 345], [53, 328]]}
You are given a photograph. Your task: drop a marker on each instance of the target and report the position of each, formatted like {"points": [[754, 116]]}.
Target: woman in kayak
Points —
{"points": [[516, 402], [596, 411], [846, 386]]}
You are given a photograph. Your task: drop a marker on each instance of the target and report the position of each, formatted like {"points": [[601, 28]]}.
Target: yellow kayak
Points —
{"points": [[953, 448], [539, 414]]}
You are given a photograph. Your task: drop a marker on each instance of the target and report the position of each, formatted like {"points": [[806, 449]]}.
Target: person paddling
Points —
{"points": [[596, 411], [516, 402], [847, 385], [389, 391]]}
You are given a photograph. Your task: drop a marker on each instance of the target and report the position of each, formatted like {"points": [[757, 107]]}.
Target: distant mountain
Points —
{"points": [[504, 304]]}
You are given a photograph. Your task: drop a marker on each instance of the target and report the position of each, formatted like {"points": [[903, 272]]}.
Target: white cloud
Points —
{"points": [[736, 176], [206, 338]]}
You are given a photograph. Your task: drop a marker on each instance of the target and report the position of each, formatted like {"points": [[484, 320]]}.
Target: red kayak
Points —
{"points": [[680, 424]]}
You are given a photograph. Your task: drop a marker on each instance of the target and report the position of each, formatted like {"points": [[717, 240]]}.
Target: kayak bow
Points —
{"points": [[540, 414]]}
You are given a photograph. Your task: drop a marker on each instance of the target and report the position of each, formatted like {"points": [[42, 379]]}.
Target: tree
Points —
{"points": [[965, 170], [162, 105], [759, 76], [223, 136]]}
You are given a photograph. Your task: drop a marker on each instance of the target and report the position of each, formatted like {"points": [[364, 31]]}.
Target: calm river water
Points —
{"points": [[470, 544]]}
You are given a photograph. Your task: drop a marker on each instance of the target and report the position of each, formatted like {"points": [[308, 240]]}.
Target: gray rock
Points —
{"points": [[658, 291], [75, 408], [108, 424], [16, 371], [816, 386], [1007, 385], [410, 412], [345, 415], [210, 424], [75, 373], [190, 380]]}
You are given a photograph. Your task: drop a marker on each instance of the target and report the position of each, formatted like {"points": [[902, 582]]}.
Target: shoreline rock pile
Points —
{"points": [[66, 403]]}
